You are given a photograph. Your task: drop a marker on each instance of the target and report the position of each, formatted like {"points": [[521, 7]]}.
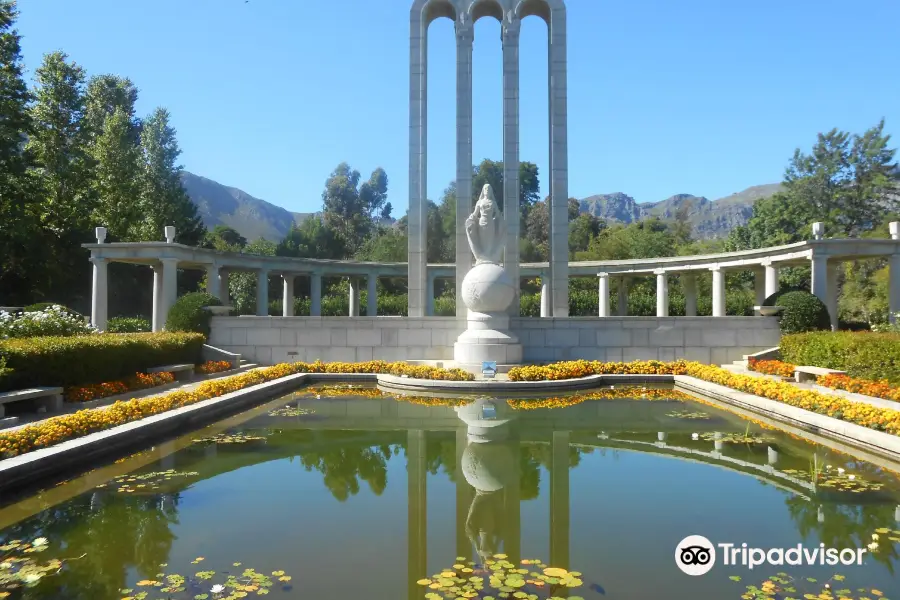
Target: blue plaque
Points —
{"points": [[489, 369]]}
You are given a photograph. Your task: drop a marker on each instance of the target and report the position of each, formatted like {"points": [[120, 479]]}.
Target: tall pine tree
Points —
{"points": [[117, 181], [163, 199]]}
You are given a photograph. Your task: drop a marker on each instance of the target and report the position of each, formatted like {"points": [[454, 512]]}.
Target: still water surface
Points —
{"points": [[353, 496]]}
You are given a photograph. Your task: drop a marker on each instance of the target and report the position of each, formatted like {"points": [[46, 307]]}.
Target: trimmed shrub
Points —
{"points": [[803, 312], [81, 360], [187, 313], [53, 320], [862, 354], [773, 299], [128, 325]]}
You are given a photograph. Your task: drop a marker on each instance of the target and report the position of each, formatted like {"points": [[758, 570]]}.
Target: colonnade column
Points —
{"points": [[894, 288], [169, 292], [158, 319], [689, 284], [603, 295], [354, 297], [771, 277], [287, 298], [429, 295], [99, 293], [622, 298], [559, 163], [662, 293], [416, 529], [718, 292], [212, 281], [559, 500], [819, 267], [418, 163], [510, 36], [315, 294], [546, 306], [223, 287], [262, 293], [831, 277], [759, 287], [465, 36], [372, 295]]}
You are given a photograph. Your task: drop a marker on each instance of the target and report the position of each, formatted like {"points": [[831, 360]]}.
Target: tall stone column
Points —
{"points": [[662, 293], [718, 292], [372, 295], [416, 530], [546, 306], [603, 295], [559, 164], [158, 318], [99, 293], [559, 500], [212, 281], [429, 295], [465, 36], [894, 288], [262, 293], [418, 162], [169, 287], [689, 284], [831, 277], [354, 297], [511, 209], [819, 266], [759, 287], [287, 296], [223, 287], [771, 270], [622, 298], [315, 294]]}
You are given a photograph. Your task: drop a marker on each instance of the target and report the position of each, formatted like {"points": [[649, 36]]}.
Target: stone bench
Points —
{"points": [[806, 373], [49, 398], [183, 372]]}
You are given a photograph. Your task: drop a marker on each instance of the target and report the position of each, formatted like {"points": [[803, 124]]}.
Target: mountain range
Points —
{"points": [[253, 218]]}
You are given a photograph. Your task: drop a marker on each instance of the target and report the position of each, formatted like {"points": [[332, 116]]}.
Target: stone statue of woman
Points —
{"points": [[484, 228]]}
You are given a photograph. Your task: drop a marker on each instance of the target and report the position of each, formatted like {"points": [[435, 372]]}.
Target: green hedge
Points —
{"points": [[187, 313], [862, 354], [128, 325], [79, 360]]}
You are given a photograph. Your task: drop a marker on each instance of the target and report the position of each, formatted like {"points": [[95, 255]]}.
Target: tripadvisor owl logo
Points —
{"points": [[695, 555]]}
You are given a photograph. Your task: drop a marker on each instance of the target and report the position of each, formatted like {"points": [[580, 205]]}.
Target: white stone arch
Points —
{"points": [[426, 11], [478, 9]]}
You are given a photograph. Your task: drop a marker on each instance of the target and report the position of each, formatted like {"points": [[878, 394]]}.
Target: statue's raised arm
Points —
{"points": [[484, 228]]}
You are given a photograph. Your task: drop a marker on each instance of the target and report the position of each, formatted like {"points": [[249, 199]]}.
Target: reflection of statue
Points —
{"points": [[484, 228], [485, 522]]}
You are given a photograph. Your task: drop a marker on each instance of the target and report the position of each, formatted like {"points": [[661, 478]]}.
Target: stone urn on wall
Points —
{"points": [[487, 291]]}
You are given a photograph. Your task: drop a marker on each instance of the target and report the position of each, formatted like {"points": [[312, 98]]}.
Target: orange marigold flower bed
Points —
{"points": [[772, 367], [878, 389], [213, 366], [140, 381]]}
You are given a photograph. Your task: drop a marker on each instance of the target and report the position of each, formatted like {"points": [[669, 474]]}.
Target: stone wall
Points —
{"points": [[270, 340]]}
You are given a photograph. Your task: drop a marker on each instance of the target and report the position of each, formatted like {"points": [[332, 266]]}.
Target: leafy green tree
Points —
{"points": [[19, 222], [349, 207], [163, 199], [491, 171], [582, 230], [117, 181], [104, 94], [313, 238], [242, 286], [391, 245], [225, 239]]}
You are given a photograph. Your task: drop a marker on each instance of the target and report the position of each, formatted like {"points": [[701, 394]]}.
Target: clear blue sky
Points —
{"points": [[690, 96]]}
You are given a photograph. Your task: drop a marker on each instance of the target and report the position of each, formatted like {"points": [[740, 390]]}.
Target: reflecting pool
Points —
{"points": [[342, 492]]}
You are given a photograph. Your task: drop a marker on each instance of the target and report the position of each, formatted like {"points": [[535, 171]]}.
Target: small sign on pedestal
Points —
{"points": [[489, 369]]}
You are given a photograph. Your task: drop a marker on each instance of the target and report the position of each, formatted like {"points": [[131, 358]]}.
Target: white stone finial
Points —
{"points": [[818, 230], [100, 232], [484, 228], [170, 234], [894, 228]]}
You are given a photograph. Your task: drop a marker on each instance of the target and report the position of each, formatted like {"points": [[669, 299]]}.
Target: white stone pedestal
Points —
{"points": [[487, 292]]}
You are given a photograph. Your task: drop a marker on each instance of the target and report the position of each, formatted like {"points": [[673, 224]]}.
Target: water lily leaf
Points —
{"points": [[201, 596], [500, 556], [424, 582], [735, 578], [555, 572]]}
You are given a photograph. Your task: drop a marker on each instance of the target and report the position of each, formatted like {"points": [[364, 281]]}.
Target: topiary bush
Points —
{"points": [[128, 325], [187, 313], [773, 299], [85, 359], [803, 311], [862, 354]]}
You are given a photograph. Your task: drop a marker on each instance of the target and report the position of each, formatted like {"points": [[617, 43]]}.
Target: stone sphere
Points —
{"points": [[488, 288], [487, 467]]}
